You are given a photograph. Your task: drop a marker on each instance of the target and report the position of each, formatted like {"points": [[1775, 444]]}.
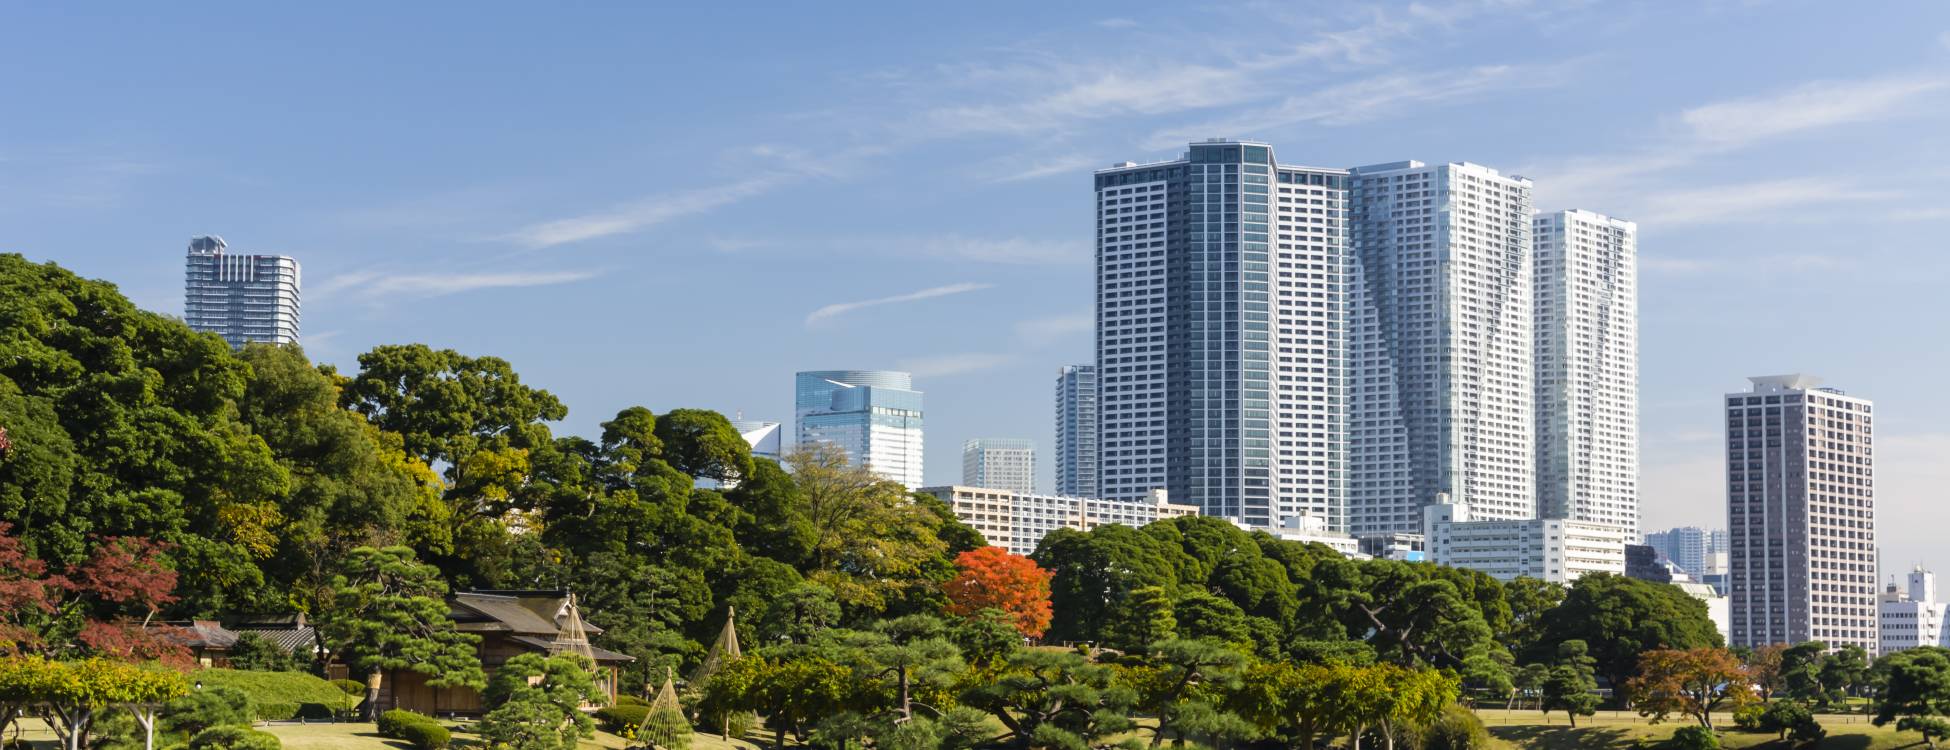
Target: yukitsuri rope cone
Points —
{"points": [[724, 649]]}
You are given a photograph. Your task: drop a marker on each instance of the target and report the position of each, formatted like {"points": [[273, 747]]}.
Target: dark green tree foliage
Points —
{"points": [[1844, 673], [1801, 672], [1144, 616], [1529, 599], [1416, 613], [774, 523], [987, 637], [1570, 685], [1094, 569], [122, 425], [1620, 618], [1916, 692], [1054, 699], [1192, 679], [255, 652], [389, 612], [703, 444]]}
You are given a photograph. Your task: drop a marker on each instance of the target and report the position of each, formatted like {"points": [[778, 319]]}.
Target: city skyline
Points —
{"points": [[849, 210]]}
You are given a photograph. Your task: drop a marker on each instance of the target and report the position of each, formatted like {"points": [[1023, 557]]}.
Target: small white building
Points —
{"points": [[1717, 608], [1018, 521], [1912, 617], [1549, 549], [1314, 529]]}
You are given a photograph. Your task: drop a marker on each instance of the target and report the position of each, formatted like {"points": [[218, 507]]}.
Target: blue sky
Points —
{"points": [[681, 204]]}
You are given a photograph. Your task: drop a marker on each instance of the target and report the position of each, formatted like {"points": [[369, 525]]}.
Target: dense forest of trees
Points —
{"points": [[149, 473]]}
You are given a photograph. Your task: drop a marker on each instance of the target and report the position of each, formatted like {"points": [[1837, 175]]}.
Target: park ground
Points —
{"points": [[1511, 730]]}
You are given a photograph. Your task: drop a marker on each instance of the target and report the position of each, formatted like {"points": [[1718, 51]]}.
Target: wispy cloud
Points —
{"points": [[1372, 98], [954, 364], [1746, 201], [378, 286], [1039, 332], [1074, 165], [645, 213], [1723, 127], [842, 308], [1822, 104], [1794, 262]]}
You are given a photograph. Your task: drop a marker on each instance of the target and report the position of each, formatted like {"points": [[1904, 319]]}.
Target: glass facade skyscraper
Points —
{"points": [[1076, 431], [999, 464], [873, 415], [1220, 346], [243, 298], [1587, 370]]}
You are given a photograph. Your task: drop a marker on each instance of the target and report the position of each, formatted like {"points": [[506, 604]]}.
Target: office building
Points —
{"points": [[1076, 431], [1220, 342], [1018, 521], [1698, 551], [767, 439], [1441, 381], [1801, 523], [873, 415], [999, 464], [1912, 616], [1643, 562], [243, 298], [1586, 367], [1550, 549]]}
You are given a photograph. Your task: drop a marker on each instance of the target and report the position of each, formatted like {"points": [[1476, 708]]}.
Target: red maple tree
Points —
{"points": [[992, 578], [103, 605]]}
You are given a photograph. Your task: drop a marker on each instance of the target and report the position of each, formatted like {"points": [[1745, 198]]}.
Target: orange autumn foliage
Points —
{"points": [[992, 578]]}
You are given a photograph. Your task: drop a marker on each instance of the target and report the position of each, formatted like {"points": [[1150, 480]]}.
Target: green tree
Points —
{"points": [[1620, 618], [1422, 614], [535, 703], [703, 444], [1054, 699], [389, 612], [1094, 570], [258, 653], [1801, 672], [1183, 686], [1570, 685], [1529, 599], [1844, 672], [873, 545], [1144, 616], [1916, 694]]}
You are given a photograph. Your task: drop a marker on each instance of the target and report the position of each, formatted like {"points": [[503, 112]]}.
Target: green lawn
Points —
{"points": [[1529, 730]]}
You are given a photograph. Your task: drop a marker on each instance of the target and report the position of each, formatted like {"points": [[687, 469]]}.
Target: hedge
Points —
{"points": [[278, 696], [426, 735], [393, 723], [615, 719]]}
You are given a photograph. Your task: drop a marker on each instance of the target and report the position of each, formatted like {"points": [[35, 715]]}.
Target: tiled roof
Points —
{"points": [[292, 640], [602, 655]]}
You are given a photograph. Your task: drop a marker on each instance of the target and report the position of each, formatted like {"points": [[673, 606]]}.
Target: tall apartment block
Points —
{"points": [[1801, 522], [1220, 346], [874, 415], [1076, 431], [1440, 378], [1587, 375], [1001, 464], [1690, 547], [243, 298]]}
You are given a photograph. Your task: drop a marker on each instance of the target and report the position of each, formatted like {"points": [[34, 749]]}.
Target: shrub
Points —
{"points": [[1694, 738], [392, 722], [1457, 729], [426, 736], [352, 688], [203, 709], [234, 737], [1748, 717], [1785, 716], [256, 653], [617, 718], [630, 700]]}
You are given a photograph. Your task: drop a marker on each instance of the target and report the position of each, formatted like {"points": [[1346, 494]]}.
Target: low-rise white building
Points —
{"points": [[1018, 521], [1912, 617], [1550, 549], [1314, 529], [1717, 608]]}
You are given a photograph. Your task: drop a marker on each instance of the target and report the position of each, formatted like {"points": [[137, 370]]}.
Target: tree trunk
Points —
{"points": [[1574, 718], [907, 704], [373, 681], [778, 735]]}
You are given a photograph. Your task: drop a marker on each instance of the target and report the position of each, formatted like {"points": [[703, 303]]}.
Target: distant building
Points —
{"points": [[1076, 431], [1549, 549], [1692, 548], [1394, 545], [1801, 515], [1642, 562], [1018, 521], [1587, 368], [243, 298], [1315, 530], [1000, 464], [1716, 603], [1912, 616], [873, 415], [767, 439]]}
